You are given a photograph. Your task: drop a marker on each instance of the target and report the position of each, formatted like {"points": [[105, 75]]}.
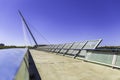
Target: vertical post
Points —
{"points": [[114, 60], [28, 28]]}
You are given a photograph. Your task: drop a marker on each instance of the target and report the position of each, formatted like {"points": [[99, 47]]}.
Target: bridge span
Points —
{"points": [[56, 67]]}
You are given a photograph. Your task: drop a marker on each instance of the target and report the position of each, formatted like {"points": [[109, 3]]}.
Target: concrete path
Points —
{"points": [[55, 67]]}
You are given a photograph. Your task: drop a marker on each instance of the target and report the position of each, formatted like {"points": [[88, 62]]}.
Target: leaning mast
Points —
{"points": [[28, 28]]}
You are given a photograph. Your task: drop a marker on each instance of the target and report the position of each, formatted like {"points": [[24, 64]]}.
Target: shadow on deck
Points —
{"points": [[34, 75]]}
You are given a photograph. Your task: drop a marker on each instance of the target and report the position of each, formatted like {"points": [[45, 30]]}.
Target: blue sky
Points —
{"points": [[61, 21]]}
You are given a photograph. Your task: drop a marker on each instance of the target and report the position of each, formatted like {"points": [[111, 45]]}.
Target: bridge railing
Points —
{"points": [[87, 51], [109, 57], [76, 49]]}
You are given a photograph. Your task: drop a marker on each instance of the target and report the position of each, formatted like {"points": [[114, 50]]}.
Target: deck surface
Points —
{"points": [[55, 67]]}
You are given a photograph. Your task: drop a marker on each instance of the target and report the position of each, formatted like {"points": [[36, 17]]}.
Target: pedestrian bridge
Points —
{"points": [[56, 67], [69, 61]]}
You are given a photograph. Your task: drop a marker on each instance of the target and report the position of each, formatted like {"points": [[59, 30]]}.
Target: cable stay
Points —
{"points": [[27, 32], [38, 32]]}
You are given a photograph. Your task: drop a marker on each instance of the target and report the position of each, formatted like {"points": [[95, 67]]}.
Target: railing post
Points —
{"points": [[114, 60]]}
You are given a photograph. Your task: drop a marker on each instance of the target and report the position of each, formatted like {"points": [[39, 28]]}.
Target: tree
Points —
{"points": [[1, 44]]}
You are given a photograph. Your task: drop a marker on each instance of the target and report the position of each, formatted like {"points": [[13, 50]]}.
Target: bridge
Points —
{"points": [[56, 67], [68, 61], [77, 61]]}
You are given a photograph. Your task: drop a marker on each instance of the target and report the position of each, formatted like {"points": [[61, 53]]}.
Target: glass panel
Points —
{"points": [[103, 57], [81, 44], [91, 44], [75, 45]]}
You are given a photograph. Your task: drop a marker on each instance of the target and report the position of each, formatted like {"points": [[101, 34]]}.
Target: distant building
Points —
{"points": [[1, 44]]}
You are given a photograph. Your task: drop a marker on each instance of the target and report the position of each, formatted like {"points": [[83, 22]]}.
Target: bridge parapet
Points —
{"points": [[14, 64]]}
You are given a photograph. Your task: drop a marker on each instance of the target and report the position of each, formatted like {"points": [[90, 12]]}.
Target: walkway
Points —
{"points": [[55, 67]]}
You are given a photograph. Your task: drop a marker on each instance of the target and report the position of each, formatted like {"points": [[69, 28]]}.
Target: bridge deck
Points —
{"points": [[56, 67]]}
